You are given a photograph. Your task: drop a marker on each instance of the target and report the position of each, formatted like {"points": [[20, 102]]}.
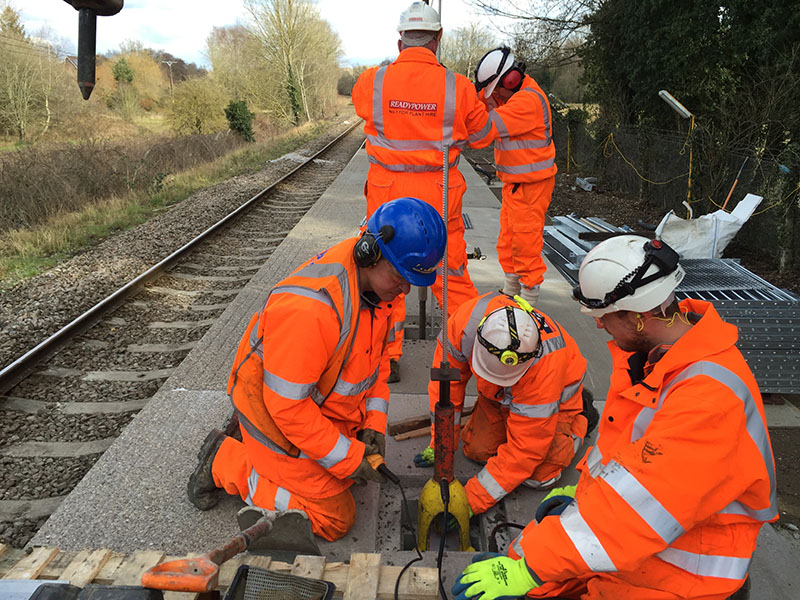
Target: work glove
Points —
{"points": [[424, 458], [492, 576], [374, 441], [555, 502], [365, 473]]}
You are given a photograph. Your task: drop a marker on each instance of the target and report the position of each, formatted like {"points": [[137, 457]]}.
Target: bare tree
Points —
{"points": [[462, 48]]}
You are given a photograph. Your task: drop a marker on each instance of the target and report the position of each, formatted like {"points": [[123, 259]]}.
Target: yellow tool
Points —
{"points": [[431, 506]]}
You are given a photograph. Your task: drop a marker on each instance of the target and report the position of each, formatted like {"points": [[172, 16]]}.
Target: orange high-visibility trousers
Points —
{"points": [[233, 471], [485, 432], [522, 214], [383, 185]]}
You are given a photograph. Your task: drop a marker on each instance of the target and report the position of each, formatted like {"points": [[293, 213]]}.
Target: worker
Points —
{"points": [[411, 108], [671, 498], [524, 154], [308, 383], [531, 414]]}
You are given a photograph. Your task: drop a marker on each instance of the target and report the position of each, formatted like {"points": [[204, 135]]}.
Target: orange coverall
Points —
{"points": [[310, 372], [671, 499], [410, 109], [530, 430], [524, 154]]}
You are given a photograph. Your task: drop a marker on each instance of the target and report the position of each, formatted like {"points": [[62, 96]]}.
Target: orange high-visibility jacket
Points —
{"points": [[414, 106], [682, 477], [524, 150], [549, 392], [310, 372]]}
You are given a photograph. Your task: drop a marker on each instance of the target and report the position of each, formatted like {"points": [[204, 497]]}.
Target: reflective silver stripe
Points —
{"points": [[456, 417], [405, 145], [404, 168], [377, 404], [546, 113], [391, 336], [502, 130], [282, 497], [482, 133], [320, 270], [453, 351], [318, 295], [517, 546], [287, 389], [449, 113], [471, 329], [572, 389], [594, 461], [585, 541], [756, 428], [252, 486], [535, 411], [399, 325], [552, 344], [707, 565], [642, 502], [344, 388], [459, 272], [528, 168], [337, 454], [489, 483], [506, 144], [255, 433], [377, 100]]}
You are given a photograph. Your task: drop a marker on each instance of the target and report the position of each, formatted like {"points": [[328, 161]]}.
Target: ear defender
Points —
{"points": [[512, 79], [367, 252]]}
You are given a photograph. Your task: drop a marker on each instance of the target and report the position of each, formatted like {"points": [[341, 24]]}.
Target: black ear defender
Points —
{"points": [[367, 252]]}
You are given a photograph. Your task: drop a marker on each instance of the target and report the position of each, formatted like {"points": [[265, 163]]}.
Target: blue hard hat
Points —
{"points": [[419, 239]]}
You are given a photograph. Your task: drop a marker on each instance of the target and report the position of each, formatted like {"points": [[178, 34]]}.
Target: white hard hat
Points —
{"points": [[419, 17], [491, 68], [627, 272], [494, 357]]}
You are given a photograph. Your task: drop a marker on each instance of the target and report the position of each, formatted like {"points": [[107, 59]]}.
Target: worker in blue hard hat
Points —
{"points": [[309, 419]]}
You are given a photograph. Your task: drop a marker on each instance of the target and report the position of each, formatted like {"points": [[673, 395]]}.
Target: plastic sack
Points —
{"points": [[708, 235]]}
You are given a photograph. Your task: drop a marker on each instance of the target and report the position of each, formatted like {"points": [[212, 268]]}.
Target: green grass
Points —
{"points": [[28, 252]]}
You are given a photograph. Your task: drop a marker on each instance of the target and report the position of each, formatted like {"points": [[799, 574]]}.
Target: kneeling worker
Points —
{"points": [[530, 416], [309, 380], [672, 497]]}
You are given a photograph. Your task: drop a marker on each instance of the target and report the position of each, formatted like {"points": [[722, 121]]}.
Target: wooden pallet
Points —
{"points": [[364, 578]]}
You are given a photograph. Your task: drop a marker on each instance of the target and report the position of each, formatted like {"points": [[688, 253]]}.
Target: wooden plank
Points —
{"points": [[363, 576], [3, 549], [31, 565], [106, 574], [262, 562], [131, 570], [312, 567], [227, 570], [419, 422], [417, 583], [85, 566]]}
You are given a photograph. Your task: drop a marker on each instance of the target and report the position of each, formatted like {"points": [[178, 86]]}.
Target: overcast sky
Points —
{"points": [[367, 28]]}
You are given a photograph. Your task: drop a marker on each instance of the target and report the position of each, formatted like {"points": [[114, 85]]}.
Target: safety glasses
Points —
{"points": [[655, 253]]}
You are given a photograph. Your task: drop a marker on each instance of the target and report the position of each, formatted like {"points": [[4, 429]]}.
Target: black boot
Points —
{"points": [[590, 412], [394, 371], [202, 490]]}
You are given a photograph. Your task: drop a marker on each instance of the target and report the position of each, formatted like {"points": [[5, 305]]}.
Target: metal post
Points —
{"points": [[87, 36]]}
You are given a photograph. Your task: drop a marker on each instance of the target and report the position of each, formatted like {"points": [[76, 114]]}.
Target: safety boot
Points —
{"points": [[202, 490], [512, 285], [394, 371], [530, 294]]}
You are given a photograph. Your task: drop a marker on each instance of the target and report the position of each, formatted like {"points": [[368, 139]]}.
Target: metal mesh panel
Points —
{"points": [[262, 584]]}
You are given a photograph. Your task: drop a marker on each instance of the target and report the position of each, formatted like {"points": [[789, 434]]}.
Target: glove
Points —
{"points": [[365, 473], [424, 458], [374, 441], [492, 576], [555, 502]]}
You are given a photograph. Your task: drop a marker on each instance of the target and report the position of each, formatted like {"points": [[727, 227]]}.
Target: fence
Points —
{"points": [[654, 165]]}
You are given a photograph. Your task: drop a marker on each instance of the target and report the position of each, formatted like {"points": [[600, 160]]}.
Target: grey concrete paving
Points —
{"points": [[134, 498]]}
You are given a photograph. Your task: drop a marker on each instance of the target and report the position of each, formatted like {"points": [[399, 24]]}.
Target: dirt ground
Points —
{"points": [[620, 209]]}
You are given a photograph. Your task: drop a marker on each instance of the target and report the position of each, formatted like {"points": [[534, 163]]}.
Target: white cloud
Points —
{"points": [[180, 27]]}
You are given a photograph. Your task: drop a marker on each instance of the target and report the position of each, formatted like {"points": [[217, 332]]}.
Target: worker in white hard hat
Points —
{"points": [[411, 108], [672, 496], [532, 412], [524, 154]]}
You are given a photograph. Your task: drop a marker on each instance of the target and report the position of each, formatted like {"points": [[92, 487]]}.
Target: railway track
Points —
{"points": [[65, 401]]}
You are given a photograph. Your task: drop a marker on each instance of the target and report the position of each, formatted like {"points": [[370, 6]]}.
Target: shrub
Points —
{"points": [[240, 119]]}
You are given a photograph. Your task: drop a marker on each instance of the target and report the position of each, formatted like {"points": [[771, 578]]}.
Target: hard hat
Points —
{"points": [[418, 241], [498, 66], [506, 341], [627, 272], [419, 17]]}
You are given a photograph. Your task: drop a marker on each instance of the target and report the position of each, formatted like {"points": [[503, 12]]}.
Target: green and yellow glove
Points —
{"points": [[492, 576], [424, 458], [555, 502]]}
